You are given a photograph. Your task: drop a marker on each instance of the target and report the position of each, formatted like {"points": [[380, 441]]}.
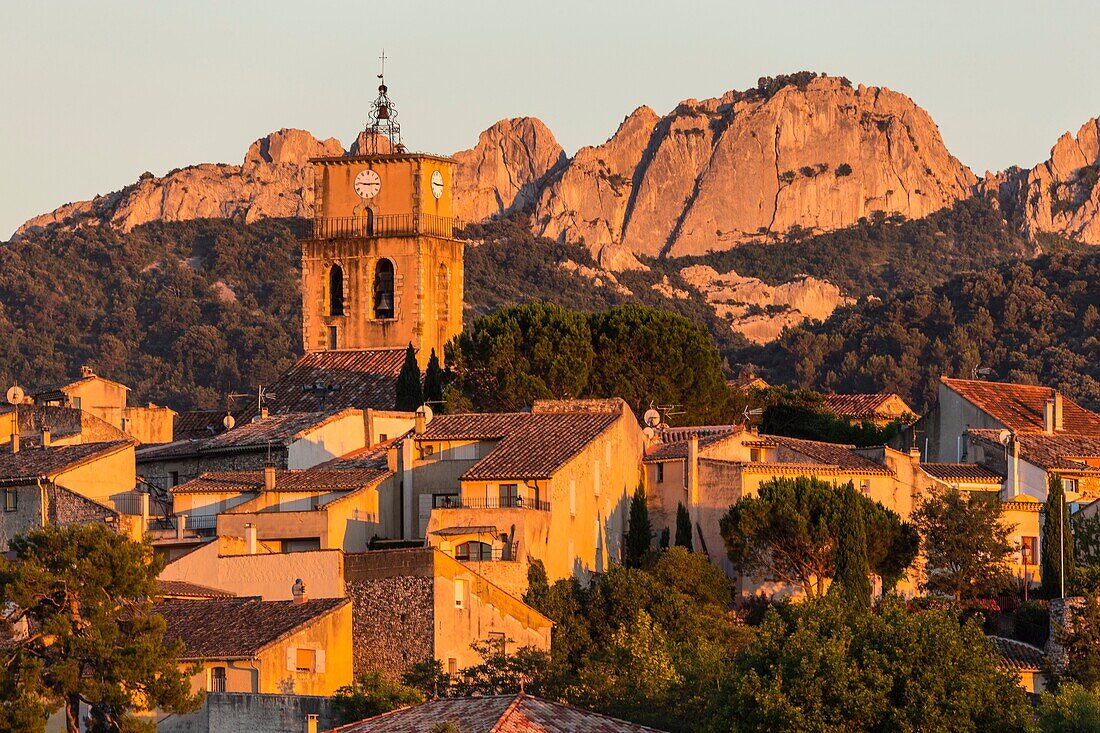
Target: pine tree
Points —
{"points": [[410, 396], [433, 382], [1056, 530], [639, 532], [852, 582], [683, 528]]}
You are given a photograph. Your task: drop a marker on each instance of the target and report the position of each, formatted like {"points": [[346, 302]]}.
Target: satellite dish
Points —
{"points": [[15, 395], [651, 418], [229, 421], [649, 433], [1005, 437], [426, 411]]}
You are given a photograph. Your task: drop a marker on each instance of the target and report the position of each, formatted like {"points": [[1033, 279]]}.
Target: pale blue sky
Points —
{"points": [[93, 94]]}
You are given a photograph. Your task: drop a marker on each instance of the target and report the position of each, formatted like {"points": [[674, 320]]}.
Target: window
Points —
{"points": [[332, 338], [446, 501], [497, 641], [173, 478], [336, 291], [382, 438], [865, 486], [474, 551], [754, 455], [304, 544], [369, 222], [660, 473], [76, 403], [11, 500], [217, 680], [427, 449], [306, 660], [383, 289], [1028, 553], [460, 593], [509, 495], [1069, 484], [452, 666]]}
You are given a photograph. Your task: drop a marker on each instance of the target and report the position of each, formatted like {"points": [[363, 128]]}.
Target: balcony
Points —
{"points": [[514, 502], [390, 225]]}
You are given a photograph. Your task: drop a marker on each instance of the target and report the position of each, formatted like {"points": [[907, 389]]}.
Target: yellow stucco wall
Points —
{"points": [[102, 478], [268, 575]]}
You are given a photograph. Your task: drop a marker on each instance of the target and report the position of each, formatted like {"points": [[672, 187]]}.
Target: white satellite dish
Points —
{"points": [[652, 418], [1005, 437], [427, 413], [649, 433], [229, 421], [15, 395]]}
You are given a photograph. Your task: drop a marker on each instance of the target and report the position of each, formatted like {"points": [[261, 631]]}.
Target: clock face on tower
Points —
{"points": [[367, 184], [437, 184]]}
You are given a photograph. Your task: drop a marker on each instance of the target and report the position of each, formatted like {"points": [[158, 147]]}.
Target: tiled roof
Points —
{"points": [[360, 379], [195, 424], [275, 430], [967, 473], [1018, 655], [306, 480], [184, 589], [678, 450], [61, 386], [532, 445], [237, 628], [1054, 452], [1019, 407], [494, 714], [835, 454], [372, 456], [862, 405], [30, 464]]}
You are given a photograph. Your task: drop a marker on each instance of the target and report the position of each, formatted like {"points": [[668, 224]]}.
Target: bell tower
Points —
{"points": [[380, 265]]}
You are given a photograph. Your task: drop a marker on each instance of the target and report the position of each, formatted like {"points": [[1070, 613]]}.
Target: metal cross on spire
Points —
{"points": [[382, 58], [383, 119]]}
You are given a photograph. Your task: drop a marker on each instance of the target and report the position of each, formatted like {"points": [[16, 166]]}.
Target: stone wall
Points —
{"points": [[236, 712], [66, 507], [392, 609], [27, 514]]}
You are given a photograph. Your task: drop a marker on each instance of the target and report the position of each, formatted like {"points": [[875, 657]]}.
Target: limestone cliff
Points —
{"points": [[748, 167], [1059, 196], [273, 181], [505, 169]]}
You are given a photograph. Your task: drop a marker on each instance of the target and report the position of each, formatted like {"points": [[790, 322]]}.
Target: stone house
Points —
{"points": [[69, 484], [520, 713], [287, 441], [293, 510], [880, 409], [64, 426], [302, 646], [499, 490], [1025, 661]]}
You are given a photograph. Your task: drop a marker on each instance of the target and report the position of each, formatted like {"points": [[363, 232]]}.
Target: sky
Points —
{"points": [[94, 94]]}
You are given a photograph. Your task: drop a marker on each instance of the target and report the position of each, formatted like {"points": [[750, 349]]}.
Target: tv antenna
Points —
{"points": [[981, 371], [750, 414], [262, 396]]}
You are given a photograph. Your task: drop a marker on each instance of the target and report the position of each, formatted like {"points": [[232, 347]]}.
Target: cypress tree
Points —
{"points": [[433, 382], [851, 579], [409, 394], [639, 532], [683, 528], [1056, 528]]}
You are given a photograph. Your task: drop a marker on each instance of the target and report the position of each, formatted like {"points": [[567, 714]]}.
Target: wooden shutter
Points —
{"points": [[291, 659], [319, 661]]}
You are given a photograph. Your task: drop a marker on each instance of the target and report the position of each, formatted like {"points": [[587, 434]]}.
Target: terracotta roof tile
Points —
{"points": [[1055, 452], [1017, 654], [184, 589], [194, 424], [836, 454], [678, 449], [862, 405], [360, 379], [30, 464], [1019, 407], [306, 480], [237, 628], [532, 445], [962, 473], [372, 456], [494, 714]]}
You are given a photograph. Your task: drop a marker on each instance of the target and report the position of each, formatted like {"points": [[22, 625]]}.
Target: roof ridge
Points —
{"points": [[508, 712]]}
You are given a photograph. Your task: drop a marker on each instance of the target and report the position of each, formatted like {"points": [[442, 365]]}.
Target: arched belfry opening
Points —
{"points": [[383, 289], [336, 291]]}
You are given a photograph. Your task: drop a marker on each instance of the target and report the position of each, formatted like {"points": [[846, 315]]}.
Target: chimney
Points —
{"points": [[311, 723], [298, 590], [1048, 416], [86, 371], [263, 413], [15, 442], [914, 456], [46, 440], [269, 477], [250, 538], [420, 423], [1058, 421]]}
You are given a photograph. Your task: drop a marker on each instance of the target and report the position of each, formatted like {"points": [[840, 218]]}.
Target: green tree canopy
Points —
{"points": [[83, 593], [433, 382], [371, 694], [853, 573], [815, 667], [639, 532], [409, 394], [790, 530], [1072, 709], [1057, 551], [965, 544]]}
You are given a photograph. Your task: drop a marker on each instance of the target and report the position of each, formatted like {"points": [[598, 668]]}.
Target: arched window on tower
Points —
{"points": [[443, 293], [383, 289], [336, 291]]}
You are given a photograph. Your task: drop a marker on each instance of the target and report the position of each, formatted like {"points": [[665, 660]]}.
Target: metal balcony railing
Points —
{"points": [[390, 225], [515, 502]]}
